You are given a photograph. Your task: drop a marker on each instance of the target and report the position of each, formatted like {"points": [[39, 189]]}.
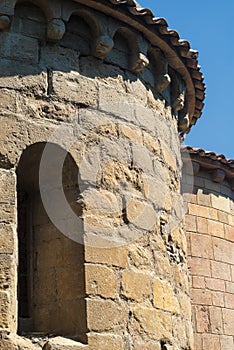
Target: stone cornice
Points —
{"points": [[217, 165], [178, 54]]}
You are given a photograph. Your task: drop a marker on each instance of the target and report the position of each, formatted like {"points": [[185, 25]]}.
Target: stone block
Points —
{"points": [[131, 132], [59, 58], [8, 272], [220, 270], [218, 298], [101, 280], [226, 342], [229, 287], [146, 345], [215, 228], [215, 284], [104, 315], [113, 256], [202, 319], [5, 310], [216, 320], [223, 250], [141, 214], [60, 343], [229, 232], [154, 322], [191, 224], [198, 282], [201, 246], [200, 267], [202, 225], [211, 341], [7, 239], [113, 100], [75, 88], [22, 76], [229, 301], [164, 296], [136, 285], [8, 101], [105, 341], [19, 47], [147, 119], [7, 187], [221, 203], [201, 297], [228, 321]]}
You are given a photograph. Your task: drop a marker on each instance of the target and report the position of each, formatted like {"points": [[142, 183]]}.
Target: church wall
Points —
{"points": [[210, 236]]}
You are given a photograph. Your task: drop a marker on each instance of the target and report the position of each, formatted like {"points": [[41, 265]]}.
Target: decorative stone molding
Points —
{"points": [[102, 46]]}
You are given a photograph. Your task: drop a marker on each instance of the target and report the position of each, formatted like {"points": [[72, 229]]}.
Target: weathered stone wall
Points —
{"points": [[121, 132], [210, 235]]}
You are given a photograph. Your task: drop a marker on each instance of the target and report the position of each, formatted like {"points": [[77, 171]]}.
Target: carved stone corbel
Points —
{"points": [[178, 92], [55, 30], [102, 46], [4, 22], [138, 62], [183, 121], [218, 175], [160, 69]]}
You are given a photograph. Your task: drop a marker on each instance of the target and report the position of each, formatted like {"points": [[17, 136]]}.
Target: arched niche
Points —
{"points": [[125, 48], [51, 291], [81, 30], [29, 20]]}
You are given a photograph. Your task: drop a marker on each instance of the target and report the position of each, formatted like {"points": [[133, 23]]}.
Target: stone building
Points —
{"points": [[96, 250]]}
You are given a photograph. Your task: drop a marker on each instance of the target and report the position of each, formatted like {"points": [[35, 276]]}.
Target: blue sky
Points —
{"points": [[208, 26]]}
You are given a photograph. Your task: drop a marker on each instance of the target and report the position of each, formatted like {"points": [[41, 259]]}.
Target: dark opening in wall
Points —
{"points": [[51, 293]]}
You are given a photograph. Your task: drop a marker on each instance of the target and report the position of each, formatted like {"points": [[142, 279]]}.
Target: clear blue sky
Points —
{"points": [[209, 27]]}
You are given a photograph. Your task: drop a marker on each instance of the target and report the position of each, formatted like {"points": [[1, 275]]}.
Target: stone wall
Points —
{"points": [[210, 236], [115, 119]]}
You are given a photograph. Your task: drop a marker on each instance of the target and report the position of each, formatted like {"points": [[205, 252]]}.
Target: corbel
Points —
{"points": [[138, 62], [55, 29], [218, 175], [102, 45], [160, 70], [178, 91], [138, 58], [5, 22]]}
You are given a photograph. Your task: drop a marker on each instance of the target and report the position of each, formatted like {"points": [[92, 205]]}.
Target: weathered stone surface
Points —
{"points": [[154, 322], [135, 285], [19, 47], [103, 315], [105, 341], [81, 90], [164, 297], [101, 280], [60, 343]]}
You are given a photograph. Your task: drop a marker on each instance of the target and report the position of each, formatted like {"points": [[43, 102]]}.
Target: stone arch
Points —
{"points": [[51, 296], [125, 48], [42, 4], [81, 31], [29, 20]]}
